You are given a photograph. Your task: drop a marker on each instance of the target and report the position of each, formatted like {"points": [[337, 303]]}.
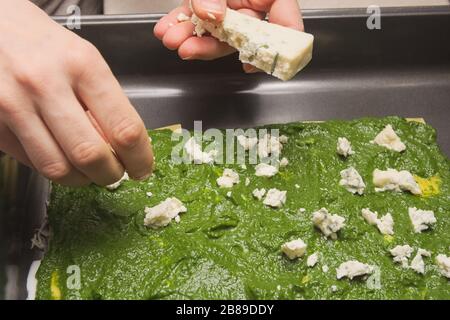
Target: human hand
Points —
{"points": [[61, 108], [179, 36]]}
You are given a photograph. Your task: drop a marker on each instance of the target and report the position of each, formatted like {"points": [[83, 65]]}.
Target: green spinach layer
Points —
{"points": [[229, 247]]}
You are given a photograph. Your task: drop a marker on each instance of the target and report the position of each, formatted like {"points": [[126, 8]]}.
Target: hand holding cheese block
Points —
{"points": [[178, 34], [277, 50]]}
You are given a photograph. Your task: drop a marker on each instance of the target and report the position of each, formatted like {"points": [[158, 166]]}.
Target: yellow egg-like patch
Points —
{"points": [[54, 286], [306, 279], [429, 187], [388, 238]]}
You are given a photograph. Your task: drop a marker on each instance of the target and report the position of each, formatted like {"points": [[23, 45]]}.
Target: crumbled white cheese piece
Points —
{"points": [[393, 180], [117, 184], [247, 182], [162, 214], [370, 217], [183, 17], [284, 139], [344, 147], [297, 186], [443, 263], [352, 181], [417, 263], [199, 30], [325, 268], [284, 162], [195, 153], [334, 288], [149, 194], [259, 193], [246, 142], [294, 249], [269, 145], [389, 139], [177, 219], [229, 194], [328, 223], [265, 170], [401, 254], [275, 198], [312, 260], [421, 219], [385, 224], [302, 210], [243, 167], [228, 178], [352, 269], [279, 51]]}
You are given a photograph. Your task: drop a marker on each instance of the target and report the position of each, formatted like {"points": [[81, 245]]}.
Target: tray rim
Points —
{"points": [[307, 14]]}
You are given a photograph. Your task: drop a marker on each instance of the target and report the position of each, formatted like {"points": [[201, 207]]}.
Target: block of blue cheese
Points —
{"points": [[277, 50]]}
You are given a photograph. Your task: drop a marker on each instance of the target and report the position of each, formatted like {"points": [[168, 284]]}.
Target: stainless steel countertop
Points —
{"points": [[161, 6]]}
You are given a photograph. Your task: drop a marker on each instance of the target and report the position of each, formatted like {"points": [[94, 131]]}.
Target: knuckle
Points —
{"points": [[86, 154], [82, 55], [37, 79], [128, 132], [55, 170]]}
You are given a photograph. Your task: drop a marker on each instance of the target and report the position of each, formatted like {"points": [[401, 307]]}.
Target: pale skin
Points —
{"points": [[62, 111], [179, 36]]}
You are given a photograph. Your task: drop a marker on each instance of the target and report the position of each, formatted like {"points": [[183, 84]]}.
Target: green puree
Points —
{"points": [[229, 248]]}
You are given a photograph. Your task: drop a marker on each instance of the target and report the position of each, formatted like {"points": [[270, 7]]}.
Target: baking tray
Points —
{"points": [[402, 69]]}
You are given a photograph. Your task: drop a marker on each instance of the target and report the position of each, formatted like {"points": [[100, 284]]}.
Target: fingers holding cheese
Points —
{"points": [[210, 9], [204, 48], [287, 14]]}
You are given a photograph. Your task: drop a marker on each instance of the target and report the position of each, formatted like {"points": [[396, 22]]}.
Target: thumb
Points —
{"points": [[212, 10]]}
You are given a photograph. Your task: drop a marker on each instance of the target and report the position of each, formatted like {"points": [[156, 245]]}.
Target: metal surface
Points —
{"points": [[158, 6], [402, 69]]}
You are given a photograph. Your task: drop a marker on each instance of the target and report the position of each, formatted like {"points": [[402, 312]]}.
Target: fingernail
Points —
{"points": [[187, 58], [211, 16], [250, 69], [212, 6]]}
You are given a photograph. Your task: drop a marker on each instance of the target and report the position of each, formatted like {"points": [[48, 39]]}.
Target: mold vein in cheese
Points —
{"points": [[277, 50]]}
